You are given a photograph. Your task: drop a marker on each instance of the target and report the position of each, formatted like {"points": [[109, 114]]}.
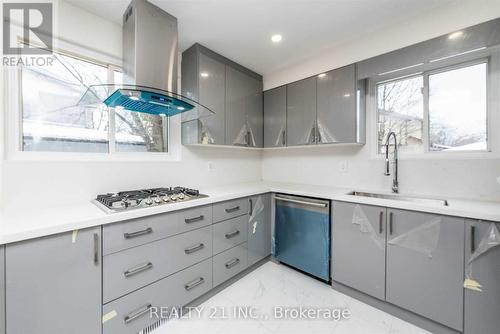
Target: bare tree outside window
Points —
{"points": [[138, 132], [54, 119], [400, 109]]}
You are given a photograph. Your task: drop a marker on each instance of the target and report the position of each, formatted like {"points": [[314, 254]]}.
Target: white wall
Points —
{"points": [[467, 177], [39, 183], [442, 20]]}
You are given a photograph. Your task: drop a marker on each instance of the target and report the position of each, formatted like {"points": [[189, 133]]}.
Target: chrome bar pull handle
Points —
{"points": [[390, 222], [139, 269], [232, 263], [193, 249], [472, 237], [140, 312], [380, 222], [138, 233], [250, 212], [96, 248], [232, 234], [194, 284], [233, 209], [284, 199], [194, 219]]}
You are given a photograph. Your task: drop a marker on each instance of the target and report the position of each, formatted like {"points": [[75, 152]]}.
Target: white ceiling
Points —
{"points": [[241, 29]]}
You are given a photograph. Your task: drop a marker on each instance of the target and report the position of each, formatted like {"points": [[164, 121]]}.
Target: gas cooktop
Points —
{"points": [[134, 199]]}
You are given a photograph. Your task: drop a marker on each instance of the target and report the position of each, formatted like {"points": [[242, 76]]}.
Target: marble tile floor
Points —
{"points": [[271, 290]]}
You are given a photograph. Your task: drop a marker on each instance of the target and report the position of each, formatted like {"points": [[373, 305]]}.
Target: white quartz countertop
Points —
{"points": [[17, 226]]}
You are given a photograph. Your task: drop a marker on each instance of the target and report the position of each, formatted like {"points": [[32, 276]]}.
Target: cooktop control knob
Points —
{"points": [[148, 201], [157, 200], [180, 196], [166, 198], [173, 197]]}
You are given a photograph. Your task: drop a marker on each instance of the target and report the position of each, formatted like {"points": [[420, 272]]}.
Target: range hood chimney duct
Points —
{"points": [[150, 51]]}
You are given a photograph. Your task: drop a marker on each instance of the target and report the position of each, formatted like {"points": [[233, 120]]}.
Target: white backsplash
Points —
{"points": [[461, 178]]}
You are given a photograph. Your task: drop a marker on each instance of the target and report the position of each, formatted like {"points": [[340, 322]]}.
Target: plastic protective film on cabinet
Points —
{"points": [[490, 240]]}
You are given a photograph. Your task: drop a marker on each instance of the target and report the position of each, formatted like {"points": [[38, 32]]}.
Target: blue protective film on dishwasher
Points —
{"points": [[302, 239]]}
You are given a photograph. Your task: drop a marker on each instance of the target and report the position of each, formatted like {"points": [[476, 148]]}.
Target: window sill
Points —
{"points": [[93, 157]]}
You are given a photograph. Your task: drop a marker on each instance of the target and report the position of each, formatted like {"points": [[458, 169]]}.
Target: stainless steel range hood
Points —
{"points": [[150, 52], [150, 58]]}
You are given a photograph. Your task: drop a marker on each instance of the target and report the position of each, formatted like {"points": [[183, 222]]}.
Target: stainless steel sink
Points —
{"points": [[396, 197]]}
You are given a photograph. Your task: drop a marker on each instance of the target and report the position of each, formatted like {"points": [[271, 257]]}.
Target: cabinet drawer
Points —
{"points": [[230, 209], [135, 232], [130, 314], [133, 268], [229, 263], [230, 233]]}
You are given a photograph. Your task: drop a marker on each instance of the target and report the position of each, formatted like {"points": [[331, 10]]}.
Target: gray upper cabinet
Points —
{"points": [[231, 91], [244, 114], [324, 109], [204, 80], [301, 112], [482, 302], [416, 57], [259, 228], [211, 93], [425, 263], [358, 247], [275, 117], [336, 94], [53, 284]]}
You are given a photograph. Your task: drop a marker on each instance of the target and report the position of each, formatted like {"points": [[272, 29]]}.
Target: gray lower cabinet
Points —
{"points": [[2, 289], [230, 209], [244, 114], [134, 268], [229, 263], [143, 308], [301, 112], [482, 302], [140, 231], [259, 228], [53, 284], [425, 263], [275, 117], [358, 247], [229, 233], [337, 121]]}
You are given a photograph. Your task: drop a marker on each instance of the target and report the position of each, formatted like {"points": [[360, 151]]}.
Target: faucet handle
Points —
{"points": [[387, 166]]}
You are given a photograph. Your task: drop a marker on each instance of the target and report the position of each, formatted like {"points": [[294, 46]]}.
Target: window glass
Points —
{"points": [[138, 132], [457, 109], [400, 109], [52, 118]]}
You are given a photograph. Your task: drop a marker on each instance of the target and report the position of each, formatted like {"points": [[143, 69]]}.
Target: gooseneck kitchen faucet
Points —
{"points": [[387, 163]]}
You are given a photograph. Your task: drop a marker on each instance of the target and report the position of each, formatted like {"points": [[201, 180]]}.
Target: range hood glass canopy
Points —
{"points": [[143, 99]]}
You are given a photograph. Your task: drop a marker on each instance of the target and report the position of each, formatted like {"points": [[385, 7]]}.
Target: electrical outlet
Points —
{"points": [[343, 166]]}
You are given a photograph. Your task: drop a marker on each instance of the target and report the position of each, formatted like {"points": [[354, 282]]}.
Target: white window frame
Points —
{"points": [[13, 118], [492, 60]]}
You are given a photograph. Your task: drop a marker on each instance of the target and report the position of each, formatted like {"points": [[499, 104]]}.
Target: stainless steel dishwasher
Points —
{"points": [[302, 234]]}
